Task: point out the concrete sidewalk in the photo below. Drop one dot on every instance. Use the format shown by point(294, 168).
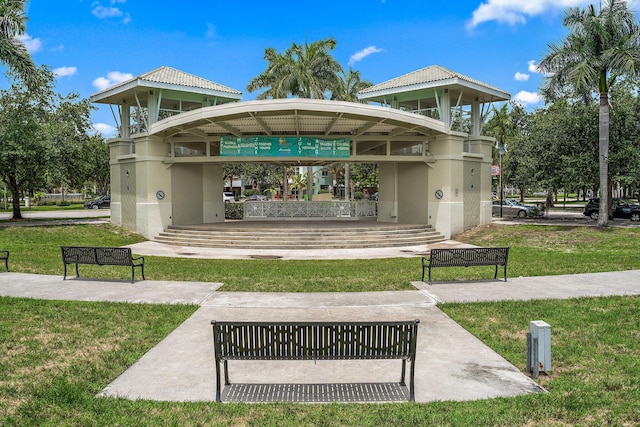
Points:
point(451, 363)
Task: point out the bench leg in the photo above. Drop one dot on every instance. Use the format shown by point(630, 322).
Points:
point(77, 274)
point(404, 368)
point(505, 272)
point(495, 275)
point(412, 388)
point(430, 281)
point(218, 387)
point(6, 263)
point(226, 373)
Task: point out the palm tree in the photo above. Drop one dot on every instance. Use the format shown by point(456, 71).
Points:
point(600, 46)
point(13, 52)
point(336, 170)
point(501, 127)
point(350, 84)
point(305, 71)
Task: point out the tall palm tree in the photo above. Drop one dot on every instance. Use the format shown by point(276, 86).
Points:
point(305, 71)
point(13, 52)
point(600, 46)
point(350, 84)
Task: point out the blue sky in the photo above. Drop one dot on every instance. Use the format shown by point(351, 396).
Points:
point(91, 44)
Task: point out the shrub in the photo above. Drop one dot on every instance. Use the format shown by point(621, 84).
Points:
point(358, 195)
point(233, 210)
point(251, 192)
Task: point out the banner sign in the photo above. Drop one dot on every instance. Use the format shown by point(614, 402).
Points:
point(270, 146)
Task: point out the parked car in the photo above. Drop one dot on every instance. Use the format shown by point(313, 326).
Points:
point(99, 203)
point(619, 209)
point(374, 196)
point(256, 198)
point(228, 197)
point(511, 207)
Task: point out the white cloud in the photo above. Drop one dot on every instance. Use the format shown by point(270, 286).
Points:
point(105, 129)
point(32, 45)
point(211, 30)
point(103, 12)
point(514, 12)
point(359, 56)
point(521, 77)
point(65, 71)
point(527, 98)
point(112, 78)
point(533, 68)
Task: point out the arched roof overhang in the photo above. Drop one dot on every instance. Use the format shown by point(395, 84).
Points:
point(377, 131)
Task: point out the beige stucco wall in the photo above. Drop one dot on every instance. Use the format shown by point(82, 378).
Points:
point(458, 166)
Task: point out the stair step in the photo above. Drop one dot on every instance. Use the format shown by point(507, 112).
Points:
point(299, 236)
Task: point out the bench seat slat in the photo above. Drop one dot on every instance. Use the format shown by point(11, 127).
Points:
point(466, 257)
point(314, 341)
point(101, 256)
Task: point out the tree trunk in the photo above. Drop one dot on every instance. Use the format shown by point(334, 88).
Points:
point(15, 197)
point(309, 183)
point(603, 159)
point(347, 182)
point(285, 185)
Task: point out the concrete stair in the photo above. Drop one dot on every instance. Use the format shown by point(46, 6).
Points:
point(300, 236)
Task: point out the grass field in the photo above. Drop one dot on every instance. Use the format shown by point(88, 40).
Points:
point(56, 355)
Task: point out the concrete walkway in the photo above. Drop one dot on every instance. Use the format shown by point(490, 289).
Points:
point(451, 363)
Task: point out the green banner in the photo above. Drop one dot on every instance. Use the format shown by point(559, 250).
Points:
point(269, 146)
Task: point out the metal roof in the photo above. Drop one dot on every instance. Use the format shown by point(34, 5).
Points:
point(165, 78)
point(372, 126)
point(433, 77)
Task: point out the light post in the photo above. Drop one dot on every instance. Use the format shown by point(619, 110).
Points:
point(502, 149)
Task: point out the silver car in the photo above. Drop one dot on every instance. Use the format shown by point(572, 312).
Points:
point(512, 207)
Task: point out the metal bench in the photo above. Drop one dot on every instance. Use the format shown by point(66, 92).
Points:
point(466, 257)
point(4, 255)
point(313, 341)
point(100, 256)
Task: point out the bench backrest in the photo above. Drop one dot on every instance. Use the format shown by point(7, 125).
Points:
point(96, 255)
point(314, 340)
point(465, 257)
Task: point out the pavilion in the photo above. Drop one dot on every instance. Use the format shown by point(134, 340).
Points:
point(423, 129)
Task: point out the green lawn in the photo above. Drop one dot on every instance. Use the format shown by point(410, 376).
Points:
point(55, 356)
point(556, 250)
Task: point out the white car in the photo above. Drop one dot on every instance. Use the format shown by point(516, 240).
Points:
point(228, 197)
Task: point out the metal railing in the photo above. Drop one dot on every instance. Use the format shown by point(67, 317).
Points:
point(302, 209)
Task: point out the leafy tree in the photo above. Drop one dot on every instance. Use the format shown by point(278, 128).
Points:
point(336, 170)
point(501, 127)
point(41, 137)
point(365, 175)
point(13, 52)
point(95, 153)
point(563, 141)
point(65, 130)
point(601, 46)
point(625, 128)
point(349, 85)
point(305, 71)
